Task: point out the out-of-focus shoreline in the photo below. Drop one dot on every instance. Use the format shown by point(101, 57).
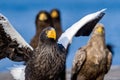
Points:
point(113, 74)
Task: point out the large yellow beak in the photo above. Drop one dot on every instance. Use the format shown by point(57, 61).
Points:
point(100, 30)
point(51, 34)
point(54, 14)
point(42, 17)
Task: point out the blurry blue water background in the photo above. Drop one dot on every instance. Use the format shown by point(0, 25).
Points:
point(22, 13)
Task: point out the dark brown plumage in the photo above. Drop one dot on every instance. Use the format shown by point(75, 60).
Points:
point(56, 20)
point(43, 20)
point(92, 61)
point(2, 48)
point(48, 60)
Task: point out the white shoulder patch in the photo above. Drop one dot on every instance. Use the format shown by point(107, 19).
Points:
point(18, 72)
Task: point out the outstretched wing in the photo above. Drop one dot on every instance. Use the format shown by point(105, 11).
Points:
point(78, 61)
point(12, 45)
point(87, 28)
point(81, 28)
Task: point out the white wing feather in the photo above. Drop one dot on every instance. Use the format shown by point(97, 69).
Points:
point(66, 37)
point(13, 33)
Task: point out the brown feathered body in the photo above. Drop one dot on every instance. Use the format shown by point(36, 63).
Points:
point(43, 20)
point(56, 20)
point(47, 62)
point(92, 61)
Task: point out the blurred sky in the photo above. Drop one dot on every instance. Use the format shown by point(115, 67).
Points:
point(21, 14)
